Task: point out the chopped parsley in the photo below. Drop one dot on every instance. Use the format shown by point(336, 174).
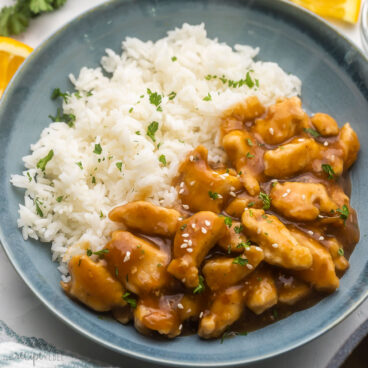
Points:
point(155, 98)
point(57, 93)
point(249, 155)
point(29, 176)
point(207, 98)
point(101, 252)
point(162, 159)
point(43, 162)
point(65, 118)
point(328, 170)
point(240, 261)
point(131, 109)
point(249, 81)
point(131, 301)
point(37, 203)
point(98, 149)
point(89, 252)
point(228, 221)
point(101, 214)
point(344, 212)
point(152, 129)
point(172, 95)
point(312, 132)
point(174, 58)
point(119, 165)
point(116, 272)
point(138, 132)
point(93, 180)
point(80, 165)
point(229, 249)
point(238, 229)
point(250, 143)
point(340, 251)
point(182, 227)
point(200, 288)
point(213, 195)
point(275, 314)
point(244, 244)
point(77, 95)
point(59, 199)
point(251, 204)
point(266, 199)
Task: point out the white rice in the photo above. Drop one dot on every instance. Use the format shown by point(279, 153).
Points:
point(104, 118)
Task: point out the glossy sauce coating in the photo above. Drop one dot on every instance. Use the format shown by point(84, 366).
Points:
point(249, 242)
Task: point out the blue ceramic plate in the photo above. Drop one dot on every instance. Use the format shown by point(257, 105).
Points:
point(335, 81)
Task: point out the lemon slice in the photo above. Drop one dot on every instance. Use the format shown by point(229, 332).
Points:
point(12, 55)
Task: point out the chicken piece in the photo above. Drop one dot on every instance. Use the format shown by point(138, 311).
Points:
point(146, 218)
point(325, 124)
point(334, 247)
point(241, 112)
point(321, 274)
point(93, 285)
point(202, 188)
point(226, 308)
point(284, 119)
point(349, 142)
point(291, 158)
point(241, 202)
point(138, 264)
point(123, 315)
point(261, 291)
point(301, 201)
point(158, 314)
point(246, 156)
point(198, 234)
point(292, 290)
point(233, 237)
point(189, 307)
point(222, 272)
point(279, 246)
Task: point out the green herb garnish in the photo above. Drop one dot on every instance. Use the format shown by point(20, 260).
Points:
point(266, 199)
point(59, 199)
point(213, 195)
point(240, 261)
point(238, 229)
point(37, 203)
point(43, 162)
point(119, 165)
point(200, 288)
point(228, 221)
point(152, 129)
point(249, 155)
point(344, 212)
point(98, 149)
point(174, 58)
point(172, 95)
point(244, 244)
point(328, 170)
point(207, 98)
point(80, 165)
point(312, 132)
point(57, 93)
point(162, 159)
point(340, 251)
point(182, 227)
point(131, 301)
point(250, 143)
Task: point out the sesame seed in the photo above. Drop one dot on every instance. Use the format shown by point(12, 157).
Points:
point(183, 280)
point(184, 245)
point(201, 315)
point(181, 191)
point(189, 250)
point(180, 218)
point(232, 194)
point(320, 216)
point(185, 235)
point(189, 310)
point(191, 158)
point(303, 196)
point(192, 183)
point(286, 193)
point(325, 143)
point(207, 223)
point(271, 131)
point(127, 257)
point(226, 174)
point(180, 306)
point(181, 184)
point(185, 240)
point(185, 206)
point(249, 266)
point(204, 230)
point(259, 230)
point(219, 196)
point(180, 327)
point(134, 270)
point(275, 245)
point(259, 249)
point(232, 188)
point(193, 226)
point(190, 242)
point(321, 238)
point(301, 140)
point(310, 232)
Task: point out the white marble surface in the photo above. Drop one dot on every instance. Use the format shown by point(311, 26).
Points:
point(22, 311)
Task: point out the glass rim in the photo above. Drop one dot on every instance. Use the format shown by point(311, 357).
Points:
point(364, 25)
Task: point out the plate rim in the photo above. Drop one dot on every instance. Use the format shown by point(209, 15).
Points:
point(121, 350)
